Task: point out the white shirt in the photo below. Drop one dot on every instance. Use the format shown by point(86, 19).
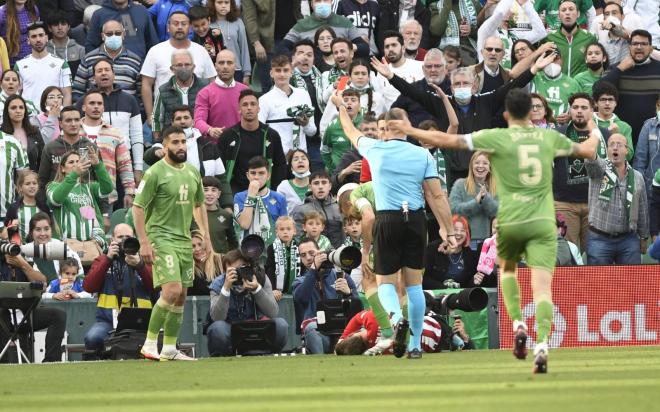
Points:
point(273, 106)
point(37, 74)
point(159, 59)
point(410, 71)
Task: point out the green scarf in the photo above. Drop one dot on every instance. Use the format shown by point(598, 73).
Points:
point(441, 167)
point(452, 34)
point(298, 80)
point(349, 242)
point(287, 264)
point(572, 134)
point(262, 222)
point(324, 244)
point(609, 183)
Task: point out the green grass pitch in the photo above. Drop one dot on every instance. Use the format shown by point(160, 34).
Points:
point(620, 379)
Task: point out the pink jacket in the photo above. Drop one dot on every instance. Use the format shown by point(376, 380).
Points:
point(217, 106)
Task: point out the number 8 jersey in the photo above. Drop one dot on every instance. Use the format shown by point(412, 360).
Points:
point(521, 160)
point(168, 196)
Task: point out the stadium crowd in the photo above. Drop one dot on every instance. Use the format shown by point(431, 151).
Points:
point(89, 87)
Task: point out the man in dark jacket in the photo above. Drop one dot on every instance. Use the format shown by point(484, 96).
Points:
point(323, 202)
point(247, 139)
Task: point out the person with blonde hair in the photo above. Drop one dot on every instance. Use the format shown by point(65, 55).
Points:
point(208, 265)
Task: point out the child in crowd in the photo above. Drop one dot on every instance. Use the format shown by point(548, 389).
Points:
point(211, 39)
point(21, 211)
point(225, 15)
point(353, 230)
point(68, 286)
point(487, 265)
point(221, 222)
point(313, 226)
point(283, 262)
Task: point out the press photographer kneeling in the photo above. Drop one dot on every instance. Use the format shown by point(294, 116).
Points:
point(14, 268)
point(121, 279)
point(242, 295)
point(319, 283)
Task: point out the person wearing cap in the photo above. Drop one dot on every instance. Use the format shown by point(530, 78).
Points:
point(570, 39)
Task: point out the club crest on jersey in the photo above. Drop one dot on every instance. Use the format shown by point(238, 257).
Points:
point(273, 202)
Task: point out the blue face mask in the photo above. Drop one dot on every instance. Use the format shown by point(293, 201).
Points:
point(463, 94)
point(113, 42)
point(323, 10)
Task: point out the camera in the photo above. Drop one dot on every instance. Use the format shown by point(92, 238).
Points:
point(252, 247)
point(345, 257)
point(9, 248)
point(245, 272)
point(53, 250)
point(129, 246)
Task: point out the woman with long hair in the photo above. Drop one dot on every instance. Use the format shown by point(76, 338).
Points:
point(47, 121)
point(10, 83)
point(26, 205)
point(295, 189)
point(324, 60)
point(15, 17)
point(15, 122)
point(75, 200)
point(208, 265)
point(542, 113)
point(226, 16)
point(521, 49)
point(475, 197)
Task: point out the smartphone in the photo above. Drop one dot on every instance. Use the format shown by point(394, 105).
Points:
point(83, 152)
point(343, 82)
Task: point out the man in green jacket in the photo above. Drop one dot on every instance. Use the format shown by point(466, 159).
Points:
point(335, 143)
point(571, 40)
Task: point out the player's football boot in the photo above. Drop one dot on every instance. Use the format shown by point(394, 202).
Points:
point(176, 355)
point(541, 362)
point(400, 338)
point(382, 345)
point(150, 353)
point(520, 343)
point(415, 354)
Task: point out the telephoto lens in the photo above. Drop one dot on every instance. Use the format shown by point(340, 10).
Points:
point(9, 248)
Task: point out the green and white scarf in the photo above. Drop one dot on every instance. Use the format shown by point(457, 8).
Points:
point(287, 264)
point(572, 134)
point(298, 80)
point(349, 242)
point(608, 185)
point(262, 222)
point(452, 34)
point(324, 244)
point(334, 74)
point(441, 165)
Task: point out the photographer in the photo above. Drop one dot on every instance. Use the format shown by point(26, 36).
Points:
point(236, 300)
point(319, 282)
point(40, 231)
point(17, 269)
point(120, 279)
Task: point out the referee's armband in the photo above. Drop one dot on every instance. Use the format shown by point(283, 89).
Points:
point(361, 203)
point(467, 138)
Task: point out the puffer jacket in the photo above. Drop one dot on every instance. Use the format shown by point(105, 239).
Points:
point(329, 208)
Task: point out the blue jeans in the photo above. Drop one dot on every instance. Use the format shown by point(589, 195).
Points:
point(96, 335)
point(315, 341)
point(622, 250)
point(219, 337)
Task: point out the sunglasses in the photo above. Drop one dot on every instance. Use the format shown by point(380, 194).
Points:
point(493, 49)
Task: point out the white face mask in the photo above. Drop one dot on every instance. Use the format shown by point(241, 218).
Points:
point(301, 175)
point(553, 70)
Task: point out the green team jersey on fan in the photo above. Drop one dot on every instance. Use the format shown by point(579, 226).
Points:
point(556, 91)
point(12, 159)
point(522, 159)
point(168, 196)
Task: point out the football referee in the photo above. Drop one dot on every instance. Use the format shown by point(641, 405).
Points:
point(400, 171)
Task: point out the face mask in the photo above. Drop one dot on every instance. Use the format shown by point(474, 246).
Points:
point(301, 175)
point(183, 74)
point(552, 70)
point(113, 42)
point(463, 95)
point(323, 10)
point(595, 66)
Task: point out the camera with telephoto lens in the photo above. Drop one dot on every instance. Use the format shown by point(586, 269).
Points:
point(52, 250)
point(9, 248)
point(245, 272)
point(252, 247)
point(129, 246)
point(344, 257)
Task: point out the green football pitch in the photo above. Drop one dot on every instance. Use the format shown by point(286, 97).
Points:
point(621, 380)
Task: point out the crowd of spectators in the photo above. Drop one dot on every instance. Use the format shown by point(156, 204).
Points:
point(88, 87)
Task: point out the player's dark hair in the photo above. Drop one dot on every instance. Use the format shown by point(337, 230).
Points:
point(257, 162)
point(580, 95)
point(518, 104)
point(353, 345)
point(319, 174)
point(198, 13)
point(169, 131)
point(245, 93)
point(604, 88)
point(181, 108)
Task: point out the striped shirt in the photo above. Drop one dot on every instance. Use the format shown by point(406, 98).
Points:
point(12, 159)
point(25, 214)
point(126, 67)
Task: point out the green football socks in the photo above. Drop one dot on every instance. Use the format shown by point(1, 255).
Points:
point(511, 294)
point(158, 315)
point(381, 316)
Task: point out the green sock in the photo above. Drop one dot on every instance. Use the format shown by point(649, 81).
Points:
point(381, 316)
point(172, 325)
point(511, 295)
point(158, 314)
point(404, 311)
point(543, 320)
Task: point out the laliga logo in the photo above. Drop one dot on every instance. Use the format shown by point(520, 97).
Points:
point(614, 326)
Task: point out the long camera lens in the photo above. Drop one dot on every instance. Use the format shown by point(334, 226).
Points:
point(53, 250)
point(9, 248)
point(346, 257)
point(130, 246)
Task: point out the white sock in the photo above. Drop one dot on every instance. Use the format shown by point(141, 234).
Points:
point(542, 346)
point(517, 324)
point(169, 349)
point(150, 346)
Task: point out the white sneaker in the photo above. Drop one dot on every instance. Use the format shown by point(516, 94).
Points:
point(175, 356)
point(382, 344)
point(150, 352)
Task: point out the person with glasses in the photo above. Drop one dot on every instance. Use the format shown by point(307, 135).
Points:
point(612, 33)
point(606, 97)
point(541, 114)
point(125, 63)
point(490, 72)
point(618, 210)
point(506, 22)
point(571, 39)
point(636, 78)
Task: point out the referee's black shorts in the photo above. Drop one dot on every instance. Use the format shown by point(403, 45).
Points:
point(398, 243)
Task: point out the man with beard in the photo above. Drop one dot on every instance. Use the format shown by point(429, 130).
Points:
point(637, 79)
point(167, 199)
point(556, 87)
point(342, 51)
point(614, 32)
point(618, 224)
point(412, 32)
point(571, 40)
point(156, 68)
point(41, 69)
point(434, 68)
point(407, 69)
point(570, 183)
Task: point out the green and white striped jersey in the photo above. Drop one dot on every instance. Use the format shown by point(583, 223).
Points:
point(12, 159)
